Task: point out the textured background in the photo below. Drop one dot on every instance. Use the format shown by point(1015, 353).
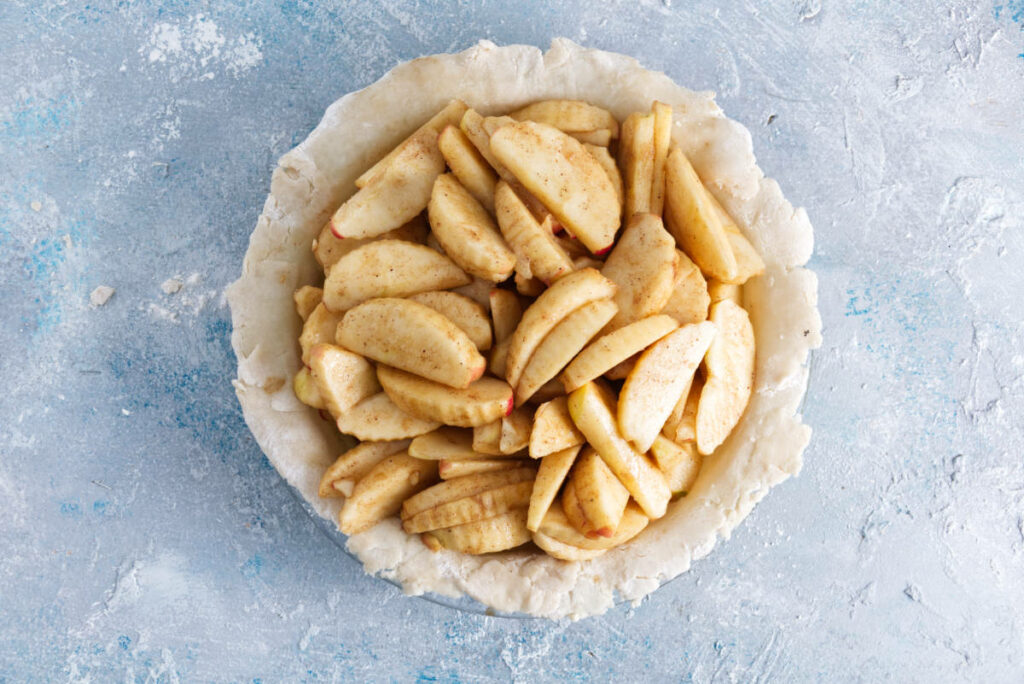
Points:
point(143, 534)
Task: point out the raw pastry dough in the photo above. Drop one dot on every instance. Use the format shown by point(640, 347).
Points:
point(313, 179)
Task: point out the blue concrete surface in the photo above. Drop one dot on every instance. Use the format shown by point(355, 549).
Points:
point(146, 538)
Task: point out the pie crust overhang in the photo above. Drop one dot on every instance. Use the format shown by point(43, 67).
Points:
point(314, 178)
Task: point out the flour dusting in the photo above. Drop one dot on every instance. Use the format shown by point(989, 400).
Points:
point(198, 48)
point(101, 295)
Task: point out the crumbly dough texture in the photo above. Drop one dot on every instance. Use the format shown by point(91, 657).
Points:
point(315, 177)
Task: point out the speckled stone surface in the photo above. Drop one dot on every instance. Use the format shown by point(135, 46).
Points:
point(144, 536)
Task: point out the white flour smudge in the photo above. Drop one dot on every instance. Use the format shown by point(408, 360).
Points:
point(101, 295)
point(197, 48)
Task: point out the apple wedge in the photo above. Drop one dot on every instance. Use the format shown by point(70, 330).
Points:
point(478, 290)
point(499, 357)
point(599, 137)
point(380, 493)
point(564, 552)
point(377, 419)
point(448, 443)
point(592, 408)
point(692, 219)
point(730, 376)
point(569, 116)
point(621, 371)
point(483, 401)
point(320, 328)
point(559, 171)
point(450, 114)
point(306, 299)
point(748, 261)
point(613, 348)
point(526, 285)
point(389, 268)
point(306, 390)
point(552, 472)
point(506, 312)
point(557, 526)
point(472, 508)
point(596, 498)
point(462, 487)
point(563, 297)
point(469, 316)
point(553, 429)
point(467, 232)
point(342, 379)
point(642, 266)
point(328, 249)
point(450, 470)
point(662, 375)
point(563, 343)
point(689, 300)
point(636, 159)
point(552, 389)
point(681, 426)
point(662, 140)
point(487, 438)
point(679, 462)
point(472, 126)
point(500, 533)
point(717, 291)
point(394, 195)
point(607, 162)
point(414, 338)
point(468, 165)
point(341, 476)
point(515, 431)
point(532, 243)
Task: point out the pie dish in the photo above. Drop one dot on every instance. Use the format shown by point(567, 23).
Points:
point(312, 180)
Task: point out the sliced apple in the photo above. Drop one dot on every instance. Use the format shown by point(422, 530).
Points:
point(599, 497)
point(342, 475)
point(483, 401)
point(320, 328)
point(553, 429)
point(328, 249)
point(607, 162)
point(515, 431)
point(377, 418)
point(564, 552)
point(570, 116)
point(636, 159)
point(468, 165)
point(469, 316)
point(642, 266)
point(621, 371)
point(611, 349)
point(527, 286)
point(487, 438)
point(557, 526)
point(662, 375)
point(592, 408)
point(532, 243)
point(559, 171)
point(563, 343)
point(500, 533)
point(679, 462)
point(306, 299)
point(306, 390)
point(551, 389)
point(342, 379)
point(462, 487)
point(478, 290)
point(450, 114)
point(692, 219)
point(552, 472)
point(689, 300)
point(472, 125)
point(467, 232)
point(563, 297)
point(396, 194)
point(380, 493)
point(414, 338)
point(730, 376)
point(450, 470)
point(662, 139)
point(389, 268)
point(598, 137)
point(469, 509)
point(448, 443)
point(717, 291)
point(681, 426)
point(506, 312)
point(499, 357)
